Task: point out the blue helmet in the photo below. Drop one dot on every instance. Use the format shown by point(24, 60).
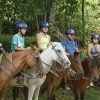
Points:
point(44, 24)
point(94, 36)
point(21, 25)
point(69, 31)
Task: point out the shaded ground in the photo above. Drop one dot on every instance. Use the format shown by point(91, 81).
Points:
point(91, 94)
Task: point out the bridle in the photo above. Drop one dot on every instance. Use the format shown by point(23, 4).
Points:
point(13, 65)
point(53, 47)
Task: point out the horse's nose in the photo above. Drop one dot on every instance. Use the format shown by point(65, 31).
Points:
point(67, 64)
point(96, 79)
point(80, 74)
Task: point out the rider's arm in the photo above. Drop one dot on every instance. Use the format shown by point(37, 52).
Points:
point(38, 37)
point(76, 47)
point(89, 50)
point(18, 48)
point(15, 44)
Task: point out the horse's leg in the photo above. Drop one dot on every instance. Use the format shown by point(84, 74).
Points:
point(53, 97)
point(82, 94)
point(51, 89)
point(50, 92)
point(25, 92)
point(36, 93)
point(3, 94)
point(76, 94)
point(15, 92)
point(31, 90)
point(53, 93)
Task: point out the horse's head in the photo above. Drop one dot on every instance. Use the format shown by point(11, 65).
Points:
point(76, 64)
point(58, 54)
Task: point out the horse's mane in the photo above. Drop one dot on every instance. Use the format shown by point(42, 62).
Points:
point(26, 52)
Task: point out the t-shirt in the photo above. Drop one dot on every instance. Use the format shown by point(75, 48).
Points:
point(70, 47)
point(43, 40)
point(17, 40)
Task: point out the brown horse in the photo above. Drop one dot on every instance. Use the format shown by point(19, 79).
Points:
point(61, 79)
point(91, 70)
point(78, 86)
point(19, 59)
point(95, 68)
point(76, 64)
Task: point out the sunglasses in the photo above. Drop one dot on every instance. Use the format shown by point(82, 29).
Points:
point(71, 34)
point(95, 38)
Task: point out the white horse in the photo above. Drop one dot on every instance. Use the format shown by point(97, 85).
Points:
point(54, 52)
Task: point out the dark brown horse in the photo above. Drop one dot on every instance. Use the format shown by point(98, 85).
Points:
point(95, 68)
point(19, 59)
point(76, 64)
point(91, 70)
point(78, 86)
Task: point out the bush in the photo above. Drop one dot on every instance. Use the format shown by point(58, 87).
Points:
point(5, 40)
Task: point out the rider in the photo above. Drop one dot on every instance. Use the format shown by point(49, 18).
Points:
point(43, 39)
point(17, 42)
point(93, 51)
point(94, 48)
point(69, 43)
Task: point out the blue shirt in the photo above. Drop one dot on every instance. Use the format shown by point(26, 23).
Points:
point(18, 41)
point(70, 47)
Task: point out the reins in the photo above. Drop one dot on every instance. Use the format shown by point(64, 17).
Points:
point(13, 65)
point(53, 47)
point(57, 55)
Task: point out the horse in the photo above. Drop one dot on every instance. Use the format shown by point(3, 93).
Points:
point(8, 69)
point(76, 64)
point(61, 79)
point(77, 85)
point(54, 52)
point(95, 68)
point(91, 71)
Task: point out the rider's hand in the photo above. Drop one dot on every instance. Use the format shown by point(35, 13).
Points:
point(90, 57)
point(28, 48)
point(77, 50)
point(0, 45)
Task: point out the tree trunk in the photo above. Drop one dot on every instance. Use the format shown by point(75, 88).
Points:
point(83, 26)
point(0, 27)
point(37, 24)
point(45, 15)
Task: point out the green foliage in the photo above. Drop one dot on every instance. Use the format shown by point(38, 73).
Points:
point(91, 94)
point(60, 13)
point(6, 39)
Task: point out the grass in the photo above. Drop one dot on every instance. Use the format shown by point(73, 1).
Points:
point(91, 94)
